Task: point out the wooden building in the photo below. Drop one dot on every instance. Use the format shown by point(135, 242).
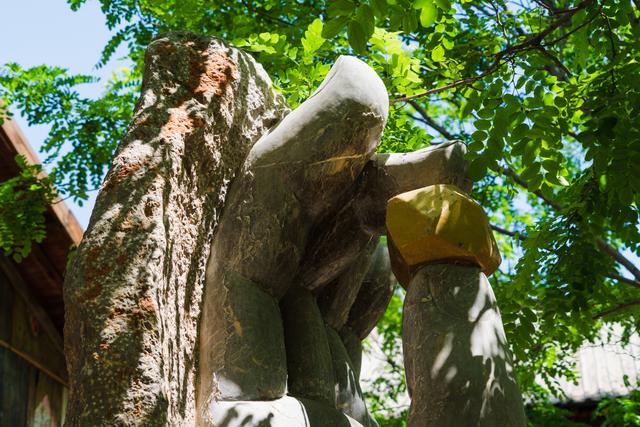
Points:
point(33, 377)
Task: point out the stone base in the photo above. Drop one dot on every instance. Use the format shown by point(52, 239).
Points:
point(284, 412)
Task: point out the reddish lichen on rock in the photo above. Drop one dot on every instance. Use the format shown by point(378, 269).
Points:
point(218, 71)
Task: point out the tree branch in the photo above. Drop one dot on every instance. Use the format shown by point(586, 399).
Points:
point(523, 237)
point(564, 36)
point(457, 83)
point(604, 246)
point(623, 279)
point(617, 308)
point(522, 183)
point(509, 233)
point(611, 251)
point(532, 42)
point(428, 120)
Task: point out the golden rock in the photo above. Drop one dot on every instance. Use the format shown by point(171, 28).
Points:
point(438, 224)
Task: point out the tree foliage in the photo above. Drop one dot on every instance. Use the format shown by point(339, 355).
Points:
point(24, 200)
point(546, 93)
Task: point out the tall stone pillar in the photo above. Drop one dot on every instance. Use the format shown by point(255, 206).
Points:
point(458, 364)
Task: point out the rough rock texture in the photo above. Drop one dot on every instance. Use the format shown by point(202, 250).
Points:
point(133, 291)
point(335, 300)
point(249, 342)
point(296, 174)
point(220, 226)
point(457, 361)
point(353, 345)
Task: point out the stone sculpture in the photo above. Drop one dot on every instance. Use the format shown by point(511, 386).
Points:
point(232, 265)
point(458, 365)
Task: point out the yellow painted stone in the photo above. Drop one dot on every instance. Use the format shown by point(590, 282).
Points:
point(439, 223)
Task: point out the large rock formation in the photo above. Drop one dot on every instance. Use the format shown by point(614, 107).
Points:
point(134, 289)
point(232, 264)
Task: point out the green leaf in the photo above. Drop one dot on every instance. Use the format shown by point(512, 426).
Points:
point(444, 4)
point(437, 54)
point(477, 169)
point(482, 124)
point(420, 4)
point(428, 14)
point(333, 27)
point(356, 36)
point(409, 21)
point(364, 15)
point(479, 135)
point(486, 113)
point(340, 8)
point(313, 40)
point(519, 131)
point(560, 102)
point(511, 99)
point(379, 8)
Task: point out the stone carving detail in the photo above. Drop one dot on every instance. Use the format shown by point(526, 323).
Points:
point(232, 265)
point(457, 361)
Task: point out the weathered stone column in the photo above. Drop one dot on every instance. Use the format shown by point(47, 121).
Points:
point(457, 361)
point(133, 291)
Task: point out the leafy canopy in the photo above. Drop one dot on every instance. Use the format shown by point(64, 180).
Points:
point(546, 93)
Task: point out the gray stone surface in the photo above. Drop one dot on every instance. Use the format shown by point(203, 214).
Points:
point(309, 360)
point(349, 398)
point(222, 207)
point(335, 300)
point(249, 347)
point(133, 291)
point(374, 294)
point(457, 361)
point(353, 345)
point(298, 173)
point(284, 412)
point(295, 174)
point(340, 238)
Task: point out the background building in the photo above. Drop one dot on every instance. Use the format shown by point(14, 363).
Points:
point(33, 377)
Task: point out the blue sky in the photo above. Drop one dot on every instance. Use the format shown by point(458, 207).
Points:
point(35, 32)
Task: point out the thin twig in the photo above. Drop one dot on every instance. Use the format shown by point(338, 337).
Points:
point(564, 36)
point(60, 200)
point(613, 48)
point(623, 279)
point(522, 183)
point(428, 120)
point(509, 233)
point(617, 308)
point(556, 61)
